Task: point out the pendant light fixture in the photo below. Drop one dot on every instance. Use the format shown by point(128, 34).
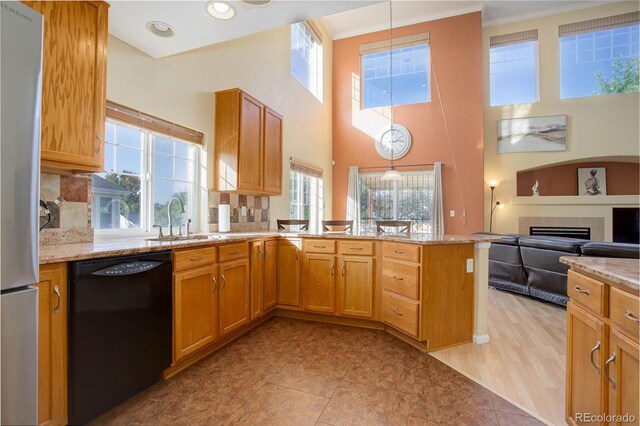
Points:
point(392, 173)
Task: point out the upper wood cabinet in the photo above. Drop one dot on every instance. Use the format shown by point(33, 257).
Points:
point(248, 145)
point(73, 84)
point(52, 345)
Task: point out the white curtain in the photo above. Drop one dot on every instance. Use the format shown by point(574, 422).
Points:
point(353, 198)
point(437, 214)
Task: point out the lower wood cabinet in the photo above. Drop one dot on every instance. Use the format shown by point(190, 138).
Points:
point(270, 274)
point(195, 309)
point(234, 295)
point(355, 289)
point(586, 349)
point(319, 283)
point(289, 259)
point(52, 344)
point(623, 376)
point(257, 279)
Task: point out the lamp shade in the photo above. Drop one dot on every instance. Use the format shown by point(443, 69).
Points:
point(391, 174)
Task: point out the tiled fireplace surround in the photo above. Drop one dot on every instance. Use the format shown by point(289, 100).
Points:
point(69, 201)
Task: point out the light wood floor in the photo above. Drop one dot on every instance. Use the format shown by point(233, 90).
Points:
point(525, 360)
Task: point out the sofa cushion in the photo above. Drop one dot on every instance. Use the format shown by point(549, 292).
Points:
point(510, 239)
point(630, 251)
point(566, 245)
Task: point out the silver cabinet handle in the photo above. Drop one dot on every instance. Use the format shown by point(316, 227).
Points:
point(355, 248)
point(398, 251)
point(398, 278)
point(579, 290)
point(194, 259)
point(297, 254)
point(267, 256)
point(333, 269)
point(593, 351)
point(395, 311)
point(215, 284)
point(320, 246)
point(260, 253)
point(344, 269)
point(98, 143)
point(611, 359)
point(224, 282)
point(234, 252)
point(629, 315)
point(56, 290)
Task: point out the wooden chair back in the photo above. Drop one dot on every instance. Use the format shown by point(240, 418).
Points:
point(401, 226)
point(304, 224)
point(327, 225)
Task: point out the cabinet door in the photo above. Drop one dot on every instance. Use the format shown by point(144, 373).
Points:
point(356, 286)
point(270, 274)
point(234, 295)
point(52, 345)
point(195, 310)
point(289, 273)
point(73, 84)
point(272, 152)
point(250, 145)
point(624, 372)
point(257, 279)
point(586, 352)
point(318, 282)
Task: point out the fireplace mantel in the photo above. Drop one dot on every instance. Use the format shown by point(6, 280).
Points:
point(613, 200)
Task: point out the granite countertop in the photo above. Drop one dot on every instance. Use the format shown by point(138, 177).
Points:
point(621, 273)
point(118, 247)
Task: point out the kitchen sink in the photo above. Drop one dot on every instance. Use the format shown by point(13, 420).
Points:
point(179, 238)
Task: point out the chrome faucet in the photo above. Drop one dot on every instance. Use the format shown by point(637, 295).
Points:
point(169, 211)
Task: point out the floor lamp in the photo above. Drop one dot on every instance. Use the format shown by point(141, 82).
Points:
point(494, 205)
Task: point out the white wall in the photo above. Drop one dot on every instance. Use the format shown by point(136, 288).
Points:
point(598, 126)
point(180, 89)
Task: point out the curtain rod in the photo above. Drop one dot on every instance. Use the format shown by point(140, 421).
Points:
point(397, 166)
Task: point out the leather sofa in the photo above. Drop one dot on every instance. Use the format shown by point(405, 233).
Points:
point(530, 265)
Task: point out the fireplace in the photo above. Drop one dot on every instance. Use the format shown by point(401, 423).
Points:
point(582, 233)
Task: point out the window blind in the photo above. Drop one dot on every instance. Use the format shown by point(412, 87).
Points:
point(624, 20)
point(395, 43)
point(305, 168)
point(154, 124)
point(513, 38)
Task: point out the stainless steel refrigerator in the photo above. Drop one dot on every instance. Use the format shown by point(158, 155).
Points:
point(21, 80)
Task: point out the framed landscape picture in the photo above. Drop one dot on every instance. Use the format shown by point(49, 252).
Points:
point(592, 181)
point(532, 134)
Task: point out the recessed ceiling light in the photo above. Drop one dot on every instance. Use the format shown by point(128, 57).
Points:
point(220, 9)
point(257, 2)
point(161, 29)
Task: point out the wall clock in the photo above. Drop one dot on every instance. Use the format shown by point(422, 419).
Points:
point(401, 141)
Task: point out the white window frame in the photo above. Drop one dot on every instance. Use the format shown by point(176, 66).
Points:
point(536, 59)
point(316, 200)
point(316, 83)
point(147, 196)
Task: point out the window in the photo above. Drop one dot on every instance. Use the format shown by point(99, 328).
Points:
point(513, 66)
point(143, 171)
point(408, 199)
point(306, 57)
point(600, 56)
point(410, 71)
point(307, 191)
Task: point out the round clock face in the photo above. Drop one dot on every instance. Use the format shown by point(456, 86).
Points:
point(393, 141)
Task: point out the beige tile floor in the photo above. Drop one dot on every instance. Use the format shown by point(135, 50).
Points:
point(293, 372)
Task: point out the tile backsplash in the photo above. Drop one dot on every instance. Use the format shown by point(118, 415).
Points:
point(257, 211)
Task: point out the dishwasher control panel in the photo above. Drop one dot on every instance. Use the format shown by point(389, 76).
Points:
point(127, 268)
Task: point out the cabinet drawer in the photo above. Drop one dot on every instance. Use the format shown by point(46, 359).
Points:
point(233, 251)
point(408, 252)
point(625, 312)
point(193, 258)
point(364, 248)
point(587, 292)
point(400, 313)
point(401, 278)
point(319, 246)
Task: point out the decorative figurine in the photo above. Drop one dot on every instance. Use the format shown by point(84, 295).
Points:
point(534, 188)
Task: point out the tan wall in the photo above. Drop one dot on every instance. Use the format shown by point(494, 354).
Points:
point(599, 126)
point(180, 88)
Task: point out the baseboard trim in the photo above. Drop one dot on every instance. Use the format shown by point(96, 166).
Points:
point(329, 318)
point(480, 339)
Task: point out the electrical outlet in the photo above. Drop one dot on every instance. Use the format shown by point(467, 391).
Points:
point(452, 213)
point(243, 210)
point(469, 265)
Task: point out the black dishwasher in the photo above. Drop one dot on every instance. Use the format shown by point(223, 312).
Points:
point(120, 314)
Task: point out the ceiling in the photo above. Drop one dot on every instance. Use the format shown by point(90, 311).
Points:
point(342, 18)
point(195, 28)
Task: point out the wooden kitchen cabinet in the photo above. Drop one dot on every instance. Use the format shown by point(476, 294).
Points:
point(248, 145)
point(234, 295)
point(355, 291)
point(52, 344)
point(622, 370)
point(270, 274)
point(318, 282)
point(73, 85)
point(586, 349)
point(257, 279)
point(196, 293)
point(288, 277)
